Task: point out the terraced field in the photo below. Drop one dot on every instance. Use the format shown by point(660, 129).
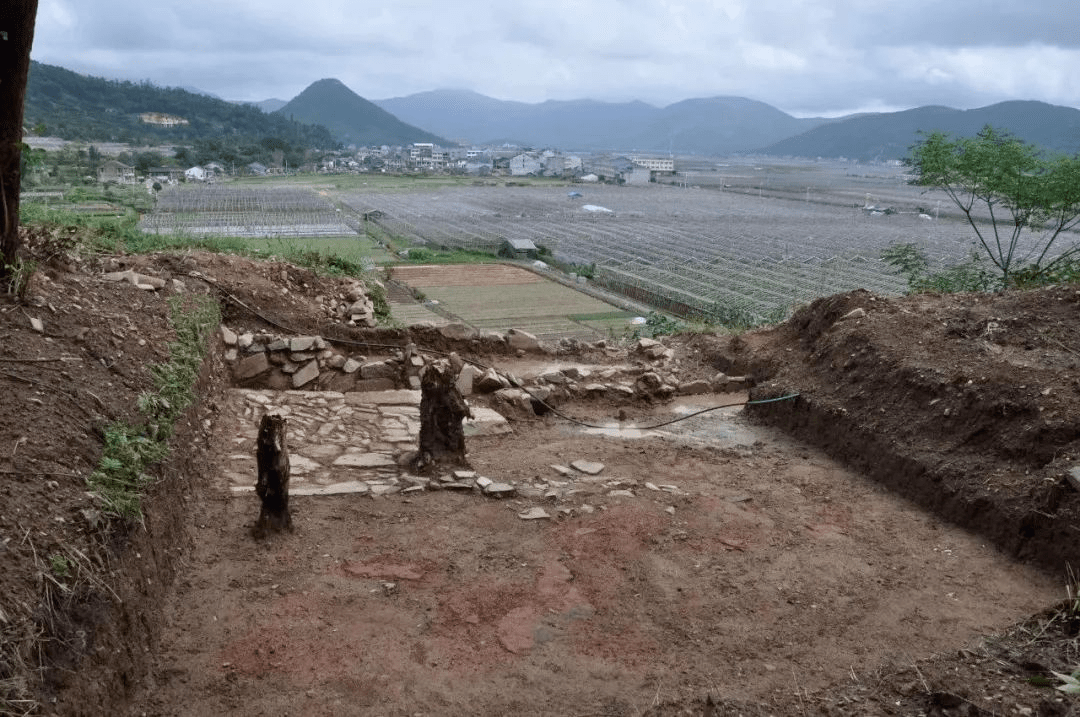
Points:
point(500, 297)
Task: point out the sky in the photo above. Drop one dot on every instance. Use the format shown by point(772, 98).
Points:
point(806, 57)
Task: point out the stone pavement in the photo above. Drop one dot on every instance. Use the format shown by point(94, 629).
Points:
point(357, 442)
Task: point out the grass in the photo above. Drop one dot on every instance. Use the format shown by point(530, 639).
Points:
point(121, 478)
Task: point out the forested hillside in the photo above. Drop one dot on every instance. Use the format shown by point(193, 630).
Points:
point(65, 104)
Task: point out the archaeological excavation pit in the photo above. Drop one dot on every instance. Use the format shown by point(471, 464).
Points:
point(709, 556)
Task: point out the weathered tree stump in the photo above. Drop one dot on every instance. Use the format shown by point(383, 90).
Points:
point(272, 456)
point(442, 409)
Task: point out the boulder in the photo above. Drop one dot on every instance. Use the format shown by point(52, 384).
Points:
point(251, 366)
point(457, 332)
point(306, 374)
point(693, 388)
point(488, 381)
point(465, 379)
point(379, 369)
point(300, 344)
point(519, 340)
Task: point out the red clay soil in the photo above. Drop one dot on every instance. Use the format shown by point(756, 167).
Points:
point(791, 577)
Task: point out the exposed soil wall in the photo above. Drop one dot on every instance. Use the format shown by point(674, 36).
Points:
point(101, 640)
point(964, 405)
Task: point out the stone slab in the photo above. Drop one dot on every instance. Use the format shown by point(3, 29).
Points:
point(485, 422)
point(401, 397)
point(365, 460)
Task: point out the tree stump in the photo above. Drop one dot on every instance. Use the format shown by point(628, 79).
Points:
point(272, 456)
point(442, 409)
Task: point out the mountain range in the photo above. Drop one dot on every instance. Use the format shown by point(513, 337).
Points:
point(722, 125)
point(718, 125)
point(76, 106)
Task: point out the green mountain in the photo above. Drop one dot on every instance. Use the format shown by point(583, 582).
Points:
point(79, 107)
point(889, 135)
point(351, 118)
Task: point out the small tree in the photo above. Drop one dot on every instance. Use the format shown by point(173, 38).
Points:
point(1018, 185)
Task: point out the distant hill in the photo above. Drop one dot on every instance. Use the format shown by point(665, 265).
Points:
point(351, 118)
point(890, 135)
point(271, 105)
point(719, 125)
point(80, 107)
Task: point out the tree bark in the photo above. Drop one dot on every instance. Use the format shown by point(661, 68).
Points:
point(16, 37)
point(442, 409)
point(272, 487)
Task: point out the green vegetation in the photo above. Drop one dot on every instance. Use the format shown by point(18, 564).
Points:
point(1029, 197)
point(912, 263)
point(78, 107)
point(121, 478)
point(60, 565)
point(741, 315)
point(657, 324)
point(17, 275)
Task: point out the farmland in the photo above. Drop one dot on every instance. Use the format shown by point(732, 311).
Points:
point(752, 241)
point(498, 297)
point(239, 211)
point(732, 241)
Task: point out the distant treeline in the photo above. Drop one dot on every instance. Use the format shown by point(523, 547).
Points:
point(62, 103)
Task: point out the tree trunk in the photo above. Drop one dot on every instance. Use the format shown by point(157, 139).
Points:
point(272, 487)
point(442, 409)
point(16, 36)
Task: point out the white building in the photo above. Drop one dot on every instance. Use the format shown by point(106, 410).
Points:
point(525, 164)
point(656, 165)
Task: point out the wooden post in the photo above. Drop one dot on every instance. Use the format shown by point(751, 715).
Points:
point(272, 456)
point(442, 409)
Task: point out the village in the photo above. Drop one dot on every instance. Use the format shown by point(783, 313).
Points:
point(422, 158)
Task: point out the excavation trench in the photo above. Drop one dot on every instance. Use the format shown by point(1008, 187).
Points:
point(705, 556)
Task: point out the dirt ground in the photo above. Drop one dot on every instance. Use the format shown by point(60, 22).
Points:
point(892, 541)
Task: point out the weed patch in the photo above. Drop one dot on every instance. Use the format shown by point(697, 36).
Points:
point(121, 479)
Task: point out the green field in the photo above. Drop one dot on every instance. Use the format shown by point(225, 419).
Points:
point(545, 309)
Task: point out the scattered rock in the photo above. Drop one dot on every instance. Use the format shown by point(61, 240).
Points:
point(499, 490)
point(535, 513)
point(588, 467)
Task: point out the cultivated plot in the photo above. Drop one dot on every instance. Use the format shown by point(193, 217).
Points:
point(246, 211)
point(500, 297)
point(758, 243)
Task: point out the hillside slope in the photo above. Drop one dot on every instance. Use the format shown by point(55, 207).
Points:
point(80, 107)
point(351, 118)
point(889, 135)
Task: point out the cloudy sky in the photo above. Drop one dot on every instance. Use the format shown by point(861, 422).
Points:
point(807, 57)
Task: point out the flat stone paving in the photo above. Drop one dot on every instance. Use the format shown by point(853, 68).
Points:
point(338, 442)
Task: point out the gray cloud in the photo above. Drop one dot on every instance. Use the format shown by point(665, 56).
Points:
point(803, 56)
